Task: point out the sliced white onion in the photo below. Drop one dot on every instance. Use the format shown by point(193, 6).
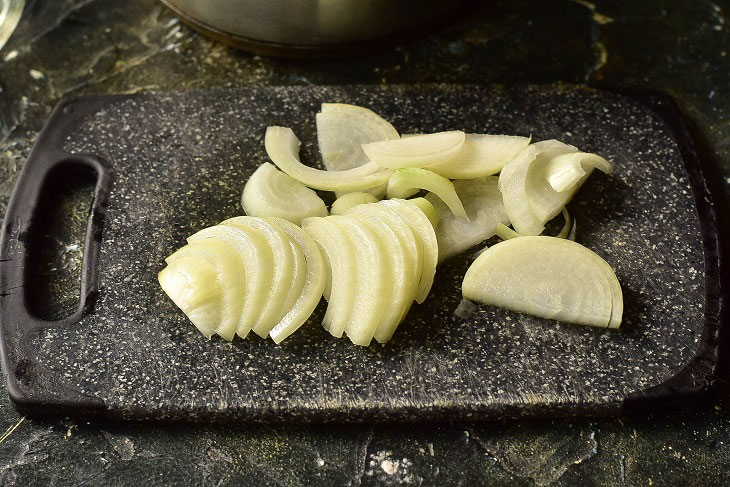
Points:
point(483, 204)
point(408, 181)
point(349, 200)
point(270, 192)
point(193, 286)
point(229, 270)
point(545, 202)
point(255, 253)
point(342, 130)
point(285, 263)
point(427, 208)
point(563, 172)
point(416, 219)
point(415, 151)
point(311, 293)
point(341, 265)
point(405, 254)
point(481, 155)
point(282, 146)
point(374, 284)
point(547, 277)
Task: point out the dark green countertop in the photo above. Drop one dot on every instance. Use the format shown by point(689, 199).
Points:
point(76, 47)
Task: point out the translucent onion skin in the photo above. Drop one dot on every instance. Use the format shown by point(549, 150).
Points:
point(548, 277)
point(270, 192)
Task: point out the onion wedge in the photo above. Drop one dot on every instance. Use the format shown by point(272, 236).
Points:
point(350, 200)
point(481, 155)
point(415, 151)
point(341, 265)
point(255, 252)
point(422, 227)
point(548, 277)
point(229, 270)
point(406, 182)
point(282, 147)
point(483, 204)
point(270, 192)
point(193, 286)
point(311, 292)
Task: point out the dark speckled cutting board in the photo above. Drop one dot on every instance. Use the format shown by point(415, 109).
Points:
point(170, 164)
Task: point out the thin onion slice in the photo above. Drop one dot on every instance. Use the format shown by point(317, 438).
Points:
point(421, 226)
point(312, 290)
point(373, 287)
point(193, 286)
point(350, 200)
point(255, 253)
point(283, 274)
point(405, 251)
point(483, 204)
point(481, 155)
point(547, 277)
point(282, 147)
point(229, 270)
point(406, 182)
point(270, 192)
point(342, 271)
point(416, 151)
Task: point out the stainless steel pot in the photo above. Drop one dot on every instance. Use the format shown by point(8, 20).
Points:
point(311, 28)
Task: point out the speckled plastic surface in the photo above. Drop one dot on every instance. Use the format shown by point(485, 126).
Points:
point(179, 163)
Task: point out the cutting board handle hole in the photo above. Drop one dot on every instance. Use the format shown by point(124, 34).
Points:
point(55, 240)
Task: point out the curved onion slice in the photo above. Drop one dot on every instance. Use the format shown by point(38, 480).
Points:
point(416, 219)
point(270, 192)
point(255, 253)
point(547, 277)
point(374, 284)
point(517, 182)
point(282, 146)
point(342, 130)
point(406, 182)
point(481, 155)
point(342, 276)
point(283, 274)
point(427, 208)
point(193, 286)
point(416, 150)
point(563, 172)
point(504, 232)
point(545, 202)
point(350, 200)
point(311, 293)
point(483, 204)
point(405, 255)
point(228, 270)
